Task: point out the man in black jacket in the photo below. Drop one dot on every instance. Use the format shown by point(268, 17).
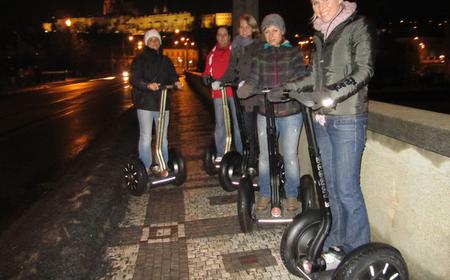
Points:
point(150, 71)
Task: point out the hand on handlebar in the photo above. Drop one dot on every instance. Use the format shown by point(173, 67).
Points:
point(278, 94)
point(315, 100)
point(153, 86)
point(178, 85)
point(216, 85)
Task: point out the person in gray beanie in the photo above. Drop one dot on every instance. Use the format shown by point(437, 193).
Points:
point(276, 63)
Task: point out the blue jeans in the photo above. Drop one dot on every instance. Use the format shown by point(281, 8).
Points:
point(146, 119)
point(341, 142)
point(288, 129)
point(219, 133)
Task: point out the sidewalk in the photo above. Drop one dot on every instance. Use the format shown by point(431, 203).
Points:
point(91, 228)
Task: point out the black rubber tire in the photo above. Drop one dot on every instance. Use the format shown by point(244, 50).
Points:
point(245, 202)
point(308, 193)
point(176, 163)
point(208, 159)
point(135, 177)
point(230, 170)
point(372, 256)
point(280, 177)
point(297, 238)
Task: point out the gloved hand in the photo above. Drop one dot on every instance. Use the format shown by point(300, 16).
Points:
point(216, 85)
point(277, 94)
point(291, 86)
point(178, 85)
point(315, 99)
point(245, 91)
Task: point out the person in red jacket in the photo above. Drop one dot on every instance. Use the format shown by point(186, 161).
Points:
point(216, 65)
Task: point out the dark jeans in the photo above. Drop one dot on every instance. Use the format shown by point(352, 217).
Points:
point(341, 142)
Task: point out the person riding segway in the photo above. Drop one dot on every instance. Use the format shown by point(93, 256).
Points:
point(302, 241)
point(138, 178)
point(152, 74)
point(248, 214)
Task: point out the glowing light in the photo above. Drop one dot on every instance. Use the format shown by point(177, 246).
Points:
point(177, 31)
point(68, 22)
point(130, 38)
point(416, 38)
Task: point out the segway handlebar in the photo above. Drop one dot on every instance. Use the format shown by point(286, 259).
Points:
point(285, 95)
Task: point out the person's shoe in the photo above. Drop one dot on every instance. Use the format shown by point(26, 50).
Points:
point(262, 203)
point(292, 204)
point(333, 258)
point(252, 171)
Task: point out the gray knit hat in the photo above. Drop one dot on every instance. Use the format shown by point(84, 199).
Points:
point(275, 20)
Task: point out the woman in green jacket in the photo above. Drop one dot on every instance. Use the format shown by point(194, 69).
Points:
point(342, 66)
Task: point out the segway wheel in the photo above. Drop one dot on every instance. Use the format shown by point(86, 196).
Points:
point(135, 177)
point(208, 160)
point(372, 261)
point(279, 178)
point(297, 238)
point(176, 163)
point(245, 201)
point(307, 193)
point(230, 171)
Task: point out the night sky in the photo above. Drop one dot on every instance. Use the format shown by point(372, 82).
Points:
point(296, 12)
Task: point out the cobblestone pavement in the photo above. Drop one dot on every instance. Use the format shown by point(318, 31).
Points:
point(191, 231)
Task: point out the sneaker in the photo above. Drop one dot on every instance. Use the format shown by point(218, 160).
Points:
point(262, 203)
point(333, 258)
point(252, 171)
point(292, 204)
point(217, 160)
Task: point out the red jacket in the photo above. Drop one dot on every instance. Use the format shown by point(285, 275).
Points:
point(216, 65)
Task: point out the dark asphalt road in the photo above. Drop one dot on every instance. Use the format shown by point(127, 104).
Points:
point(63, 235)
point(43, 129)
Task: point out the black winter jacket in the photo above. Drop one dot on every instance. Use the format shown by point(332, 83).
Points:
point(151, 67)
point(239, 69)
point(344, 64)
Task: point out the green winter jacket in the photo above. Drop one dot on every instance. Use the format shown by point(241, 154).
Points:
point(344, 64)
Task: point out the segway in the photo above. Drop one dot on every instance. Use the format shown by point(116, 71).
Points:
point(247, 214)
point(234, 165)
point(137, 180)
point(302, 241)
point(211, 165)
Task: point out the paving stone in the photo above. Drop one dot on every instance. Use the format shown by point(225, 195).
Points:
point(192, 231)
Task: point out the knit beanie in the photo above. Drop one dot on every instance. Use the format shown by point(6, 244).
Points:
point(275, 20)
point(152, 33)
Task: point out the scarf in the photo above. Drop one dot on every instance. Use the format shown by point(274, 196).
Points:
point(286, 43)
point(240, 41)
